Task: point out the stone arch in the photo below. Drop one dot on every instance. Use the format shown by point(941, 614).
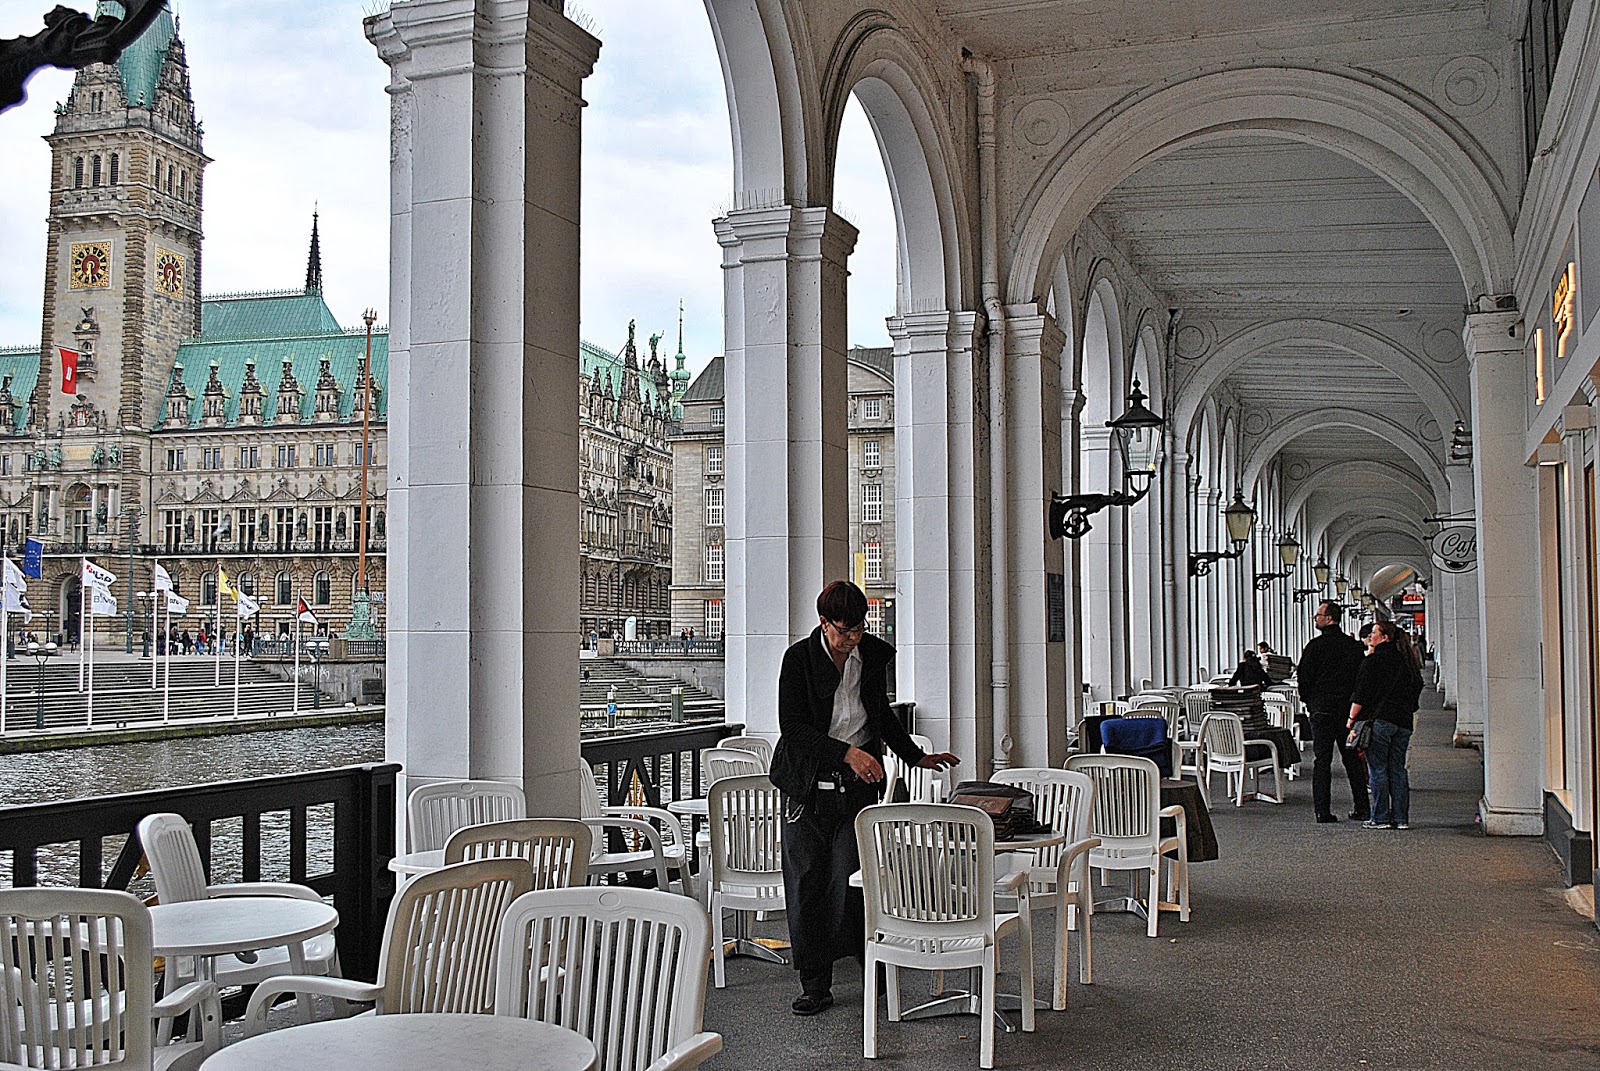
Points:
point(1396, 134)
point(1335, 416)
point(765, 84)
point(1372, 526)
point(1330, 475)
point(874, 61)
point(1422, 380)
point(1371, 507)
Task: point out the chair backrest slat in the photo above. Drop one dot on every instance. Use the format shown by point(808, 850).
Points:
point(927, 870)
point(746, 822)
point(1127, 801)
point(1063, 800)
point(626, 968)
point(1223, 735)
point(558, 849)
point(723, 762)
point(759, 746)
point(435, 811)
point(174, 857)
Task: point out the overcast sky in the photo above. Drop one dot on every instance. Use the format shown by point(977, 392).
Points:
point(291, 96)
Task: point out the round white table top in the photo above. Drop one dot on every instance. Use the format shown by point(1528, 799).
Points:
point(701, 807)
point(237, 924)
point(413, 863)
point(438, 1042)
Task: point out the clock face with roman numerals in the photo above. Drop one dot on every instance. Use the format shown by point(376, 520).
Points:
point(91, 265)
point(169, 272)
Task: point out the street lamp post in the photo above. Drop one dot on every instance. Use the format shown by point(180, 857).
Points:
point(360, 627)
point(40, 653)
point(319, 651)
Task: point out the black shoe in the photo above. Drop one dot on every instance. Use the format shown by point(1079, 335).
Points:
point(1359, 816)
point(1323, 818)
point(812, 1003)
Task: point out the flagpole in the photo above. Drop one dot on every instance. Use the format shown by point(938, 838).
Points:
point(89, 647)
point(166, 690)
point(238, 620)
point(83, 571)
point(297, 626)
point(217, 679)
point(5, 648)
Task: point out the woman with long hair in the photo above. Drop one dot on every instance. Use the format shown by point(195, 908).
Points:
point(1388, 687)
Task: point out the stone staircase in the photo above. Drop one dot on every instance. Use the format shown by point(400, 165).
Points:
point(123, 697)
point(639, 694)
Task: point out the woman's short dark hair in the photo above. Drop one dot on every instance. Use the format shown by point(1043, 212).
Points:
point(842, 602)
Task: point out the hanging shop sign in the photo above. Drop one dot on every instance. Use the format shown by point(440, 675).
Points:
point(1455, 548)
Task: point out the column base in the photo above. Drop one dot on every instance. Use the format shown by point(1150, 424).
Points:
point(1465, 738)
point(1509, 823)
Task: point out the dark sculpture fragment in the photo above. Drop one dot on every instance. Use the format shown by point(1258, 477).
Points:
point(72, 40)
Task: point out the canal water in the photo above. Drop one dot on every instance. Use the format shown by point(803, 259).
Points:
point(52, 776)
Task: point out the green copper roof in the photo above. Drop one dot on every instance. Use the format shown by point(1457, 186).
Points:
point(278, 314)
point(267, 328)
point(140, 63)
point(21, 363)
point(593, 361)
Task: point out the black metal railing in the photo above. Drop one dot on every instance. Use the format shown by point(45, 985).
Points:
point(362, 800)
point(694, 648)
point(653, 769)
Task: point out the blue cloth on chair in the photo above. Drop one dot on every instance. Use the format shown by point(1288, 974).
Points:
point(1146, 737)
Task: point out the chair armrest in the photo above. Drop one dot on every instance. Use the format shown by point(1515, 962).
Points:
point(201, 998)
point(651, 834)
point(264, 888)
point(1271, 745)
point(1013, 884)
point(671, 824)
point(1078, 849)
point(1180, 819)
point(255, 1016)
point(690, 1052)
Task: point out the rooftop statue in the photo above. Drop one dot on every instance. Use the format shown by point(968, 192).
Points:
point(72, 40)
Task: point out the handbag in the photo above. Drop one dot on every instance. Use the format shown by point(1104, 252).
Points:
point(1360, 737)
point(1010, 807)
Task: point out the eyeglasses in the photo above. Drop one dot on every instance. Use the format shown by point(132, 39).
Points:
point(858, 630)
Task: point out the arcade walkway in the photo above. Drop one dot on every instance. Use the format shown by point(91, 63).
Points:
point(1466, 957)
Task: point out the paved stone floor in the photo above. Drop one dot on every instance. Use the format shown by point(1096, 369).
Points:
point(1310, 947)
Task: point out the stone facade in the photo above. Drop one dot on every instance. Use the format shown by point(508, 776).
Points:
point(699, 465)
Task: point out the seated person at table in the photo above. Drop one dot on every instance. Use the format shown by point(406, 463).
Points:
point(833, 720)
point(1249, 672)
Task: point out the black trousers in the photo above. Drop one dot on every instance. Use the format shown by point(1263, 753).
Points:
point(1328, 732)
point(819, 855)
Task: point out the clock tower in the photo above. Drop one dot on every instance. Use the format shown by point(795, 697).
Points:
point(122, 271)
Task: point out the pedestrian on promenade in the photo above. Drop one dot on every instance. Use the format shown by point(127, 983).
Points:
point(1388, 690)
point(1327, 675)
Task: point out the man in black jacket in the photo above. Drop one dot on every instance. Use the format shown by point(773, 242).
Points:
point(834, 720)
point(1327, 676)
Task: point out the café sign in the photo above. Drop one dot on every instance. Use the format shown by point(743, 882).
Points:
point(1455, 547)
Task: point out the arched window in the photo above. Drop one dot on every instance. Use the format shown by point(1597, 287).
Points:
point(158, 174)
point(94, 170)
point(285, 590)
point(116, 161)
point(77, 172)
point(208, 589)
point(247, 583)
point(322, 589)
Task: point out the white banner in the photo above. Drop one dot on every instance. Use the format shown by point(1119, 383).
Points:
point(15, 580)
point(94, 576)
point(177, 604)
point(102, 602)
point(248, 607)
point(163, 579)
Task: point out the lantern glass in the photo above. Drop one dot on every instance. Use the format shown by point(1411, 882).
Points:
point(1138, 432)
point(1288, 550)
point(1241, 520)
point(1341, 587)
point(1320, 572)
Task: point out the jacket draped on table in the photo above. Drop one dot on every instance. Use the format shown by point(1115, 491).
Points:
point(807, 683)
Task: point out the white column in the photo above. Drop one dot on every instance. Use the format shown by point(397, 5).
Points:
point(784, 283)
point(1508, 578)
point(1466, 669)
point(936, 560)
point(1072, 558)
point(1038, 708)
point(483, 467)
point(1174, 604)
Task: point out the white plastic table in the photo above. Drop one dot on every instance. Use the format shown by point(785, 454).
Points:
point(435, 1041)
point(227, 924)
point(413, 863)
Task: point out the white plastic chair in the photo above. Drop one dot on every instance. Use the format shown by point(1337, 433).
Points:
point(746, 823)
point(1114, 708)
point(922, 785)
point(759, 746)
point(1058, 876)
point(720, 762)
point(180, 876)
point(76, 985)
point(435, 811)
point(557, 849)
point(927, 872)
point(438, 946)
point(659, 834)
point(1224, 750)
point(1127, 820)
point(626, 968)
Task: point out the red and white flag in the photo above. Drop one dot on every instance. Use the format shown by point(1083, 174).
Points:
point(305, 614)
point(69, 370)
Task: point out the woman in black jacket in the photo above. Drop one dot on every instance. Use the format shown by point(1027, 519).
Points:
point(1249, 672)
point(1387, 688)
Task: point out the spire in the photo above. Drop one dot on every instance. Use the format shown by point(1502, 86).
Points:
point(314, 261)
point(679, 374)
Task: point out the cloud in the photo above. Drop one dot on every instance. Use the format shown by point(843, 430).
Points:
point(295, 113)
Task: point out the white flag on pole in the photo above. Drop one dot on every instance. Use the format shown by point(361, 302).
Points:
point(246, 605)
point(162, 580)
point(16, 592)
point(94, 576)
point(102, 602)
point(177, 604)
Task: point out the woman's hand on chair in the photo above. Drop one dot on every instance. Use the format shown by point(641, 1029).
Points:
point(943, 760)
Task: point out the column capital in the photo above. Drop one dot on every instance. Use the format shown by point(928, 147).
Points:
point(1073, 401)
point(834, 236)
point(1492, 332)
point(1032, 331)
